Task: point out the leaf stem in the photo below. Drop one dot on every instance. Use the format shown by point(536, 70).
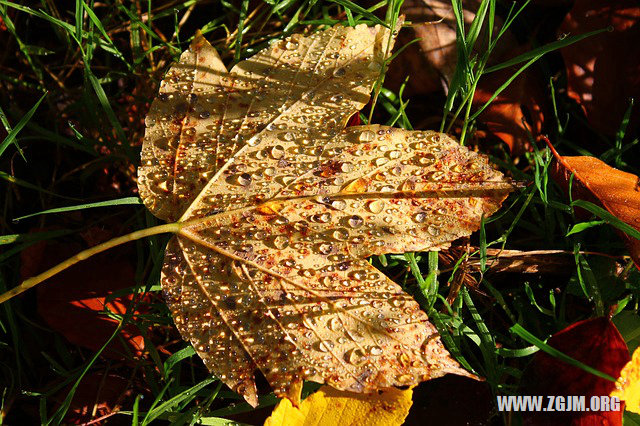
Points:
point(85, 254)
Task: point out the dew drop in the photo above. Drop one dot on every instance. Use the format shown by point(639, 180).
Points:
point(375, 350)
point(339, 204)
point(340, 234)
point(375, 206)
point(280, 242)
point(355, 221)
point(393, 155)
point(277, 152)
point(346, 167)
point(333, 324)
point(358, 275)
point(326, 280)
point(322, 218)
point(339, 72)
point(381, 161)
point(244, 179)
point(433, 230)
point(288, 136)
point(419, 217)
point(366, 136)
point(397, 302)
point(325, 248)
point(325, 345)
point(355, 357)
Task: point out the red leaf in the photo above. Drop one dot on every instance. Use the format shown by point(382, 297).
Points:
point(71, 301)
point(604, 72)
point(594, 342)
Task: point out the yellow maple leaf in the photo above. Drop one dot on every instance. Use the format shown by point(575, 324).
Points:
point(328, 407)
point(628, 384)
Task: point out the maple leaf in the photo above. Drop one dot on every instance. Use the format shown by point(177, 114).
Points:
point(278, 206)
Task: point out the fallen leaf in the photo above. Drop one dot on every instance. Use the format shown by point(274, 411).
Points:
point(628, 384)
point(599, 183)
point(330, 407)
point(605, 73)
point(279, 206)
point(452, 401)
point(518, 111)
point(97, 396)
point(74, 301)
point(595, 342)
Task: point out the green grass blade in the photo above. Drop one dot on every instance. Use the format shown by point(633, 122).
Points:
point(165, 406)
point(607, 217)
point(116, 202)
point(528, 337)
point(11, 137)
point(347, 4)
point(542, 50)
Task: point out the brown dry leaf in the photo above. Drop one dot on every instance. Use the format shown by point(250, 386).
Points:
point(330, 407)
point(599, 183)
point(604, 75)
point(280, 206)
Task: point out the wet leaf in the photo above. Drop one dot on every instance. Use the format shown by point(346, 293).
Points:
point(595, 342)
point(279, 206)
point(329, 407)
point(595, 181)
point(628, 384)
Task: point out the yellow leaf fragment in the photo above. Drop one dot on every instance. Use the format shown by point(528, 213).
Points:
point(628, 384)
point(331, 407)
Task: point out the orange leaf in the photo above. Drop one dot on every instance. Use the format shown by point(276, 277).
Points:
point(331, 407)
point(613, 189)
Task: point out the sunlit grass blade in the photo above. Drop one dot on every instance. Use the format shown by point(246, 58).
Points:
point(117, 202)
point(347, 4)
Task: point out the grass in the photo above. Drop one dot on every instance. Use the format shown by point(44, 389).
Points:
point(73, 104)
